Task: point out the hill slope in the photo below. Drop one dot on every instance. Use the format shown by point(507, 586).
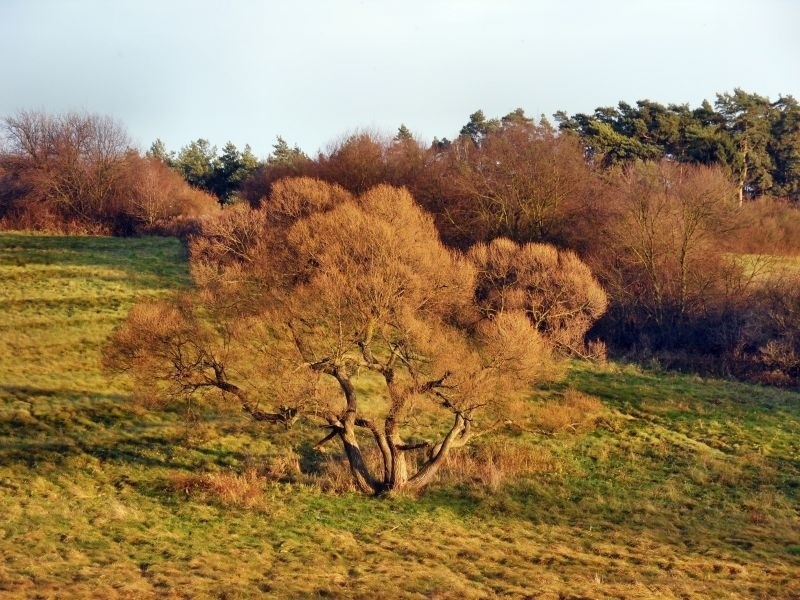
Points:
point(684, 487)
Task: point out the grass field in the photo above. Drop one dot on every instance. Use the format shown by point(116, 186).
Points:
point(683, 488)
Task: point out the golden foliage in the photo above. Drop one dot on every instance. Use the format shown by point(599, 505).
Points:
point(298, 197)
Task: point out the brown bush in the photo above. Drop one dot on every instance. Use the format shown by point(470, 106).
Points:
point(521, 181)
point(35, 215)
point(770, 226)
point(356, 162)
point(76, 173)
point(771, 341)
point(295, 198)
point(157, 195)
point(662, 260)
point(555, 289)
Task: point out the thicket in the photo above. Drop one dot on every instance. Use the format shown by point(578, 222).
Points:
point(77, 173)
point(662, 224)
point(675, 210)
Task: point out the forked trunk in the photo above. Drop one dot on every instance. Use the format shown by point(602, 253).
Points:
point(399, 472)
point(458, 435)
point(359, 470)
point(358, 466)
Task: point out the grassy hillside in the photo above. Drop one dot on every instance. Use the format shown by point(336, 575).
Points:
point(682, 488)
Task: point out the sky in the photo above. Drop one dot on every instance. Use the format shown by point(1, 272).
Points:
point(313, 71)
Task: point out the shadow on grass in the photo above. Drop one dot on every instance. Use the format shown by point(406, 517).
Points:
point(52, 425)
point(24, 392)
point(151, 451)
point(149, 260)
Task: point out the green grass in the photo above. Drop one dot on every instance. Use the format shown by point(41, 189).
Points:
point(687, 487)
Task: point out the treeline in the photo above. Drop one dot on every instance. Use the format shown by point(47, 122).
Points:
point(203, 167)
point(651, 198)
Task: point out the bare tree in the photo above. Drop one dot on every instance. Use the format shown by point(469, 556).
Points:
point(522, 181)
point(77, 171)
point(289, 319)
point(663, 251)
point(73, 161)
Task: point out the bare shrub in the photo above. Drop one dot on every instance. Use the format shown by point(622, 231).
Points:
point(34, 215)
point(770, 226)
point(770, 344)
point(158, 195)
point(781, 355)
point(597, 351)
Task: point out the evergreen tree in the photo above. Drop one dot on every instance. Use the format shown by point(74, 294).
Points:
point(196, 162)
point(784, 147)
point(403, 134)
point(283, 154)
point(158, 151)
point(478, 127)
point(747, 120)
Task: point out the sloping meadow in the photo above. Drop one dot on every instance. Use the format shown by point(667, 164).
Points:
point(620, 483)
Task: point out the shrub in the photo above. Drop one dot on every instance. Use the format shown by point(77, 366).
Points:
point(555, 289)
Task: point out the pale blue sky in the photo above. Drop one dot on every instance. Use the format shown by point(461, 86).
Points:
point(312, 70)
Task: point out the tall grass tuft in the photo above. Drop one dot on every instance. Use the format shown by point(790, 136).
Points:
point(575, 412)
point(245, 490)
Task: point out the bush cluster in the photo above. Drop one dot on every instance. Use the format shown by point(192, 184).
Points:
point(77, 173)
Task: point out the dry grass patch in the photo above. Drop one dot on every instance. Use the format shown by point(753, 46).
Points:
point(245, 490)
point(574, 412)
point(493, 463)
